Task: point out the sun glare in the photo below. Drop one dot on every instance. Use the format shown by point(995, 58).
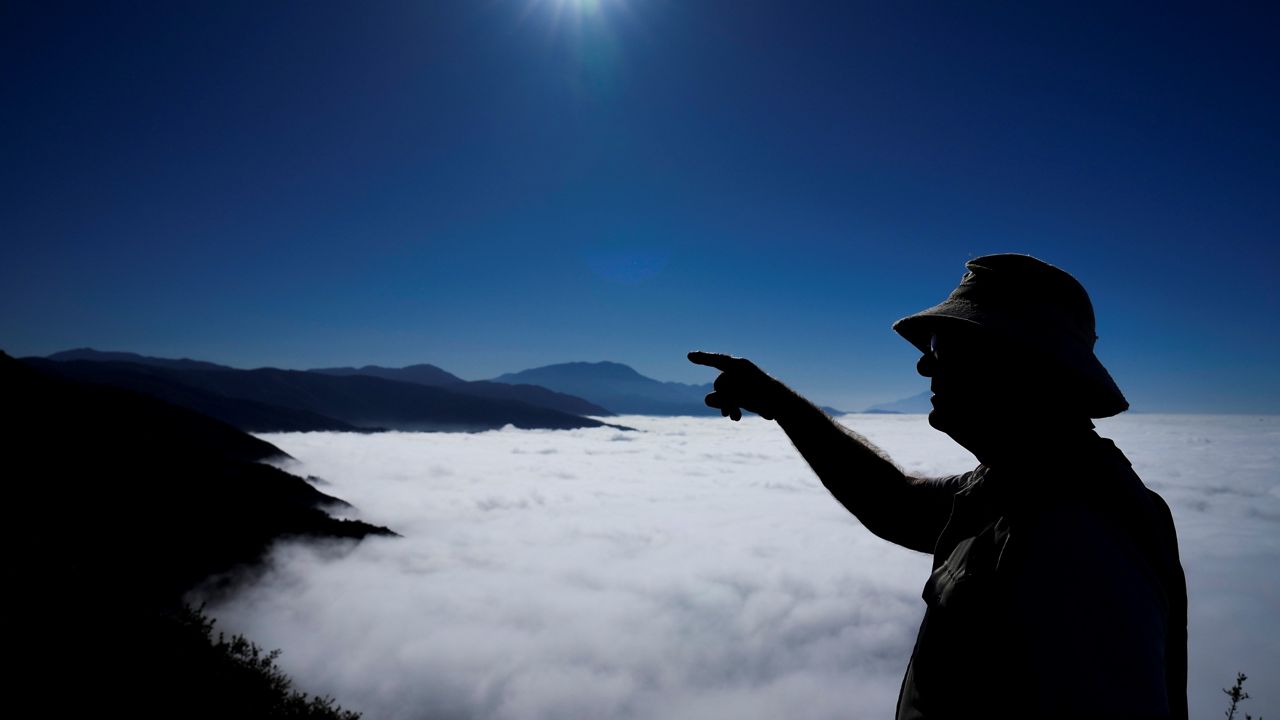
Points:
point(575, 11)
point(582, 6)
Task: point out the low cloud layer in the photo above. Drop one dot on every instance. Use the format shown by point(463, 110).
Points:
point(693, 569)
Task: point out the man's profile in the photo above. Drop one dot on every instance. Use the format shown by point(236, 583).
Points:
point(1056, 588)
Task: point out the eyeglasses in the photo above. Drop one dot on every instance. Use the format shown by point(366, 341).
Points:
point(964, 346)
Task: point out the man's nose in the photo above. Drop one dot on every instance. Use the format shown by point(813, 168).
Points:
point(925, 365)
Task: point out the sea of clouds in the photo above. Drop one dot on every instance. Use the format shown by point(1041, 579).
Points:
point(694, 568)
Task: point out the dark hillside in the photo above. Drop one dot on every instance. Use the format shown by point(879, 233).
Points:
point(121, 485)
point(118, 504)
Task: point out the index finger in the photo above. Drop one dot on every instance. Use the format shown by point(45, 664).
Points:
point(719, 361)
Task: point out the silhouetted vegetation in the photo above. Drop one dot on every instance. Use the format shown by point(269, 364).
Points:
point(216, 676)
point(1237, 694)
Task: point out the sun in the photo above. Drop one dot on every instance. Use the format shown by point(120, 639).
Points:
point(582, 6)
point(575, 11)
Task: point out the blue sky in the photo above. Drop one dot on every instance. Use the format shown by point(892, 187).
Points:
point(489, 186)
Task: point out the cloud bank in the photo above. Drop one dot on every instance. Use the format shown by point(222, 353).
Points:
point(693, 569)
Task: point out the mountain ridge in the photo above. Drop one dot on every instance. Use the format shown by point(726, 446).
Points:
point(520, 405)
point(420, 373)
point(433, 376)
point(618, 387)
point(91, 355)
point(298, 400)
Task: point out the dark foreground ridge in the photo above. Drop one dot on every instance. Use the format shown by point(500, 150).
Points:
point(121, 504)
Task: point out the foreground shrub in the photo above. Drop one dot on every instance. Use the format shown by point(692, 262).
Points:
point(208, 676)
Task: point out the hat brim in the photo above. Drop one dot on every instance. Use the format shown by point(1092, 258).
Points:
point(1098, 391)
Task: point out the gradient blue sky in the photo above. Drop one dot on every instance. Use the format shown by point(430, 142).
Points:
point(494, 185)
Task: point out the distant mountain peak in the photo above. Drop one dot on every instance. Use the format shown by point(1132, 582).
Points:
point(916, 404)
point(600, 368)
point(615, 386)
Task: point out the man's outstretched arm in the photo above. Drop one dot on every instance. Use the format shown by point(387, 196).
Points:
point(899, 508)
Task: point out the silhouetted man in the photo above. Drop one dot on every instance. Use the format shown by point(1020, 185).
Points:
point(1056, 588)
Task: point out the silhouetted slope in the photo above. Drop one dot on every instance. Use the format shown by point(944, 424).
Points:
point(91, 355)
point(433, 376)
point(314, 400)
point(158, 382)
point(118, 504)
point(51, 413)
point(617, 387)
point(127, 487)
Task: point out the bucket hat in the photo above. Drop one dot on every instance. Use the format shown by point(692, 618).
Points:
point(1032, 304)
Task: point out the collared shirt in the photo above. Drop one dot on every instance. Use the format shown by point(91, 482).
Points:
point(1056, 592)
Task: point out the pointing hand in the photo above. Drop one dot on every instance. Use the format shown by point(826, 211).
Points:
point(741, 386)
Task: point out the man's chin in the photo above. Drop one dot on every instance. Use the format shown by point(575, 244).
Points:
point(938, 420)
point(937, 416)
point(947, 416)
point(945, 422)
